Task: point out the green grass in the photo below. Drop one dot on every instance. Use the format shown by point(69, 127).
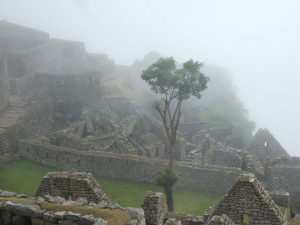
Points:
point(112, 216)
point(24, 176)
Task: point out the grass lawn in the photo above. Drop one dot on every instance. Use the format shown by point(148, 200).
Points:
point(24, 176)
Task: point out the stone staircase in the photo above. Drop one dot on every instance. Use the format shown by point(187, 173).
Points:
point(14, 110)
point(8, 118)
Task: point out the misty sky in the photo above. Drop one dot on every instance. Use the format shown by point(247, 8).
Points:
point(258, 41)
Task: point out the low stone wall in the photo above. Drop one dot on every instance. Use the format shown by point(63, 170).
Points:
point(220, 220)
point(27, 212)
point(185, 219)
point(64, 139)
point(139, 169)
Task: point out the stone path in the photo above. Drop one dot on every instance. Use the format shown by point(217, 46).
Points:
point(8, 118)
point(15, 109)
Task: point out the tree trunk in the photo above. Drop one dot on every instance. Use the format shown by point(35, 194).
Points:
point(171, 154)
point(170, 202)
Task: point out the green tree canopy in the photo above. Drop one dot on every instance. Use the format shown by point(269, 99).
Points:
point(164, 78)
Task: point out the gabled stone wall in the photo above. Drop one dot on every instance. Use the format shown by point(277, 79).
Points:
point(72, 186)
point(265, 147)
point(248, 199)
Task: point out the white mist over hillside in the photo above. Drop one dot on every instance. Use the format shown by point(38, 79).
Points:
point(257, 41)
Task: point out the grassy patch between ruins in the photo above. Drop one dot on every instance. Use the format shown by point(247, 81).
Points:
point(24, 176)
point(112, 216)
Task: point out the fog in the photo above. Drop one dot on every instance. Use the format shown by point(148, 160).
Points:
point(257, 41)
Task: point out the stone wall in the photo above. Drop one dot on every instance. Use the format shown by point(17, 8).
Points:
point(3, 95)
point(80, 87)
point(72, 186)
point(63, 139)
point(248, 200)
point(286, 177)
point(8, 145)
point(202, 177)
point(22, 211)
point(220, 220)
point(56, 56)
point(265, 147)
point(14, 37)
point(154, 208)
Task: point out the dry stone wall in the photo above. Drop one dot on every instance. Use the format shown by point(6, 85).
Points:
point(27, 212)
point(72, 186)
point(202, 177)
point(154, 208)
point(286, 177)
point(265, 147)
point(248, 199)
point(220, 220)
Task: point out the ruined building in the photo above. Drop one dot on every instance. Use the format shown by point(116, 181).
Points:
point(80, 115)
point(265, 147)
point(248, 201)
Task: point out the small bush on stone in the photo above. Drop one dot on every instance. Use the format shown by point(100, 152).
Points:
point(167, 178)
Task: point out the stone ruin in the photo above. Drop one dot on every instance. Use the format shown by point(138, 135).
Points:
point(220, 220)
point(72, 186)
point(60, 188)
point(63, 70)
point(154, 208)
point(82, 115)
point(248, 200)
point(265, 147)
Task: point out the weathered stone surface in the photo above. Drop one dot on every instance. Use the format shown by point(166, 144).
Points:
point(133, 168)
point(21, 212)
point(87, 220)
point(173, 221)
point(220, 220)
point(23, 207)
point(265, 147)
point(71, 186)
point(284, 175)
point(154, 208)
point(36, 221)
point(7, 194)
point(248, 198)
point(99, 221)
point(6, 217)
point(21, 196)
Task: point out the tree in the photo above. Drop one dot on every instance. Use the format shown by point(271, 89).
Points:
point(175, 86)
